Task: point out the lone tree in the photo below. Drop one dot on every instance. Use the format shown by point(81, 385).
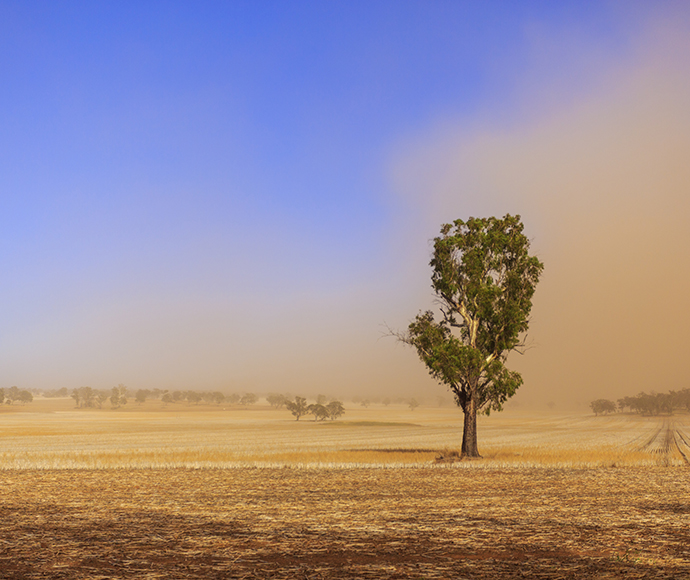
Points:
point(484, 279)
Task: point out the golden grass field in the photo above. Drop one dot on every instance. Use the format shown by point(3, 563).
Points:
point(202, 492)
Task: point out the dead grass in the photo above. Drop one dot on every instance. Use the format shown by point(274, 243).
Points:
point(61, 437)
point(191, 493)
point(345, 523)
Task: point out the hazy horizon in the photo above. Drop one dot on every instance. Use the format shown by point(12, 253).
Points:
point(242, 197)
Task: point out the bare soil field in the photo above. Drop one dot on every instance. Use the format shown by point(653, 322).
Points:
point(187, 492)
point(346, 523)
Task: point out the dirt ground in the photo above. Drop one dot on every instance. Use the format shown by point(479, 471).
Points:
point(346, 523)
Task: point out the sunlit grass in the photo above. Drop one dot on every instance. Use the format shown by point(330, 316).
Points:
point(56, 436)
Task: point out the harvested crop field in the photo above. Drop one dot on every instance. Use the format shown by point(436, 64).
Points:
point(405, 522)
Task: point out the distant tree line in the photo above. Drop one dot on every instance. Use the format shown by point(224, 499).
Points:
point(646, 403)
point(15, 395)
point(119, 396)
point(56, 393)
point(412, 403)
point(209, 398)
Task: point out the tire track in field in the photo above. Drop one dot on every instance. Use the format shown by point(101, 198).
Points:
point(682, 441)
point(652, 443)
point(666, 439)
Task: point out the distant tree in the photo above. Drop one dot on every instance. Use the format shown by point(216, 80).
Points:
point(663, 403)
point(386, 401)
point(298, 407)
point(484, 280)
point(118, 396)
point(276, 400)
point(443, 401)
point(25, 397)
point(335, 409)
point(100, 396)
point(85, 397)
point(193, 397)
point(365, 403)
point(248, 399)
point(321, 399)
point(167, 398)
point(2, 395)
point(12, 395)
point(602, 406)
point(141, 396)
point(122, 389)
point(413, 404)
point(88, 397)
point(683, 399)
point(177, 396)
point(218, 397)
point(319, 411)
point(233, 399)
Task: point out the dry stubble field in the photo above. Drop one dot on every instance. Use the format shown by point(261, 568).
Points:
point(191, 493)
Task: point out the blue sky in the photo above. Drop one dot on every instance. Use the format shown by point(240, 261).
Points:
point(208, 194)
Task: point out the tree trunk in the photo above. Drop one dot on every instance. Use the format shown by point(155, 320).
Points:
point(469, 432)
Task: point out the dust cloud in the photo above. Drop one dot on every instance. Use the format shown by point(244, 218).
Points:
point(603, 185)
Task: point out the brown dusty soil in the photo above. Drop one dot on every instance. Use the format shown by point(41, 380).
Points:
point(346, 523)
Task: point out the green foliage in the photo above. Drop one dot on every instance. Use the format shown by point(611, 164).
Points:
point(484, 279)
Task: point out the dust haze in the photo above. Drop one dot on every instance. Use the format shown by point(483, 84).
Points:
point(595, 162)
point(602, 183)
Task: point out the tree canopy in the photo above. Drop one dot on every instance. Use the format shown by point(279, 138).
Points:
point(484, 279)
